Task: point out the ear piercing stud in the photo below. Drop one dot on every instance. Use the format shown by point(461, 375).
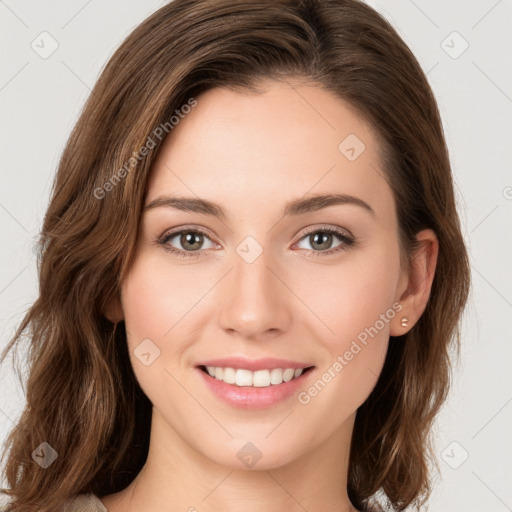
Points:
point(404, 321)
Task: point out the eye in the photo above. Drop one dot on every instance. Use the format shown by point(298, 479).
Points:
point(190, 242)
point(321, 240)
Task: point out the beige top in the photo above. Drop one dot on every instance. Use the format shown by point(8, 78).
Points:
point(81, 503)
point(86, 503)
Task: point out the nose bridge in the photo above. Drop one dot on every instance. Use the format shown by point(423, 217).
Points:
point(254, 297)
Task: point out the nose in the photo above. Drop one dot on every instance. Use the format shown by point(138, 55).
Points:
point(255, 301)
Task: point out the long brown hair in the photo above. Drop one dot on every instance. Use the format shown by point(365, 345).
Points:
point(82, 396)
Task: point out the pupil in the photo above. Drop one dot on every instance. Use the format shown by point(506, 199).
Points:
point(325, 237)
point(188, 239)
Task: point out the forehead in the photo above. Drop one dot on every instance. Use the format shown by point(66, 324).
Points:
point(247, 150)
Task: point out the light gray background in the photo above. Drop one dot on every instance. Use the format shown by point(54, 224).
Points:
point(40, 99)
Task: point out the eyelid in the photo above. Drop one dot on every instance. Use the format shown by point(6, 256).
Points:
point(188, 228)
point(325, 227)
point(346, 238)
point(343, 234)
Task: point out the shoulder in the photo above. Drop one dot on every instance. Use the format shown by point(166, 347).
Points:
point(85, 503)
point(4, 502)
point(80, 503)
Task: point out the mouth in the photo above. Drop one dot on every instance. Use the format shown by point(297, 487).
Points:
point(257, 383)
point(262, 378)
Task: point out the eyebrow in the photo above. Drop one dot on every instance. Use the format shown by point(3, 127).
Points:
point(293, 208)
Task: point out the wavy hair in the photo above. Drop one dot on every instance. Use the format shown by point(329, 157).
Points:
point(82, 395)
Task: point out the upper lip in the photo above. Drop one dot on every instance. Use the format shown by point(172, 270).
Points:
point(265, 363)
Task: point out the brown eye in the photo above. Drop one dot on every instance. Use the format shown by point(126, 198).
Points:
point(191, 240)
point(186, 243)
point(321, 240)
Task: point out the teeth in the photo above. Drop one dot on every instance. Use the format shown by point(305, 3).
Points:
point(261, 378)
point(276, 376)
point(258, 379)
point(243, 378)
point(288, 374)
point(229, 376)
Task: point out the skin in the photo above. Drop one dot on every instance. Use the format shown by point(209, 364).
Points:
point(251, 154)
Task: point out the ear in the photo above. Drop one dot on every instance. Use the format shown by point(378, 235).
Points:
point(113, 311)
point(416, 282)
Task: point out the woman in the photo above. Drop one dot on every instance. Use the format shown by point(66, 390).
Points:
point(251, 272)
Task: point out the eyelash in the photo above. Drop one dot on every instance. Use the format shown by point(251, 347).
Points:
point(347, 241)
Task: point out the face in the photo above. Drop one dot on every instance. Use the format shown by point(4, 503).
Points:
point(255, 271)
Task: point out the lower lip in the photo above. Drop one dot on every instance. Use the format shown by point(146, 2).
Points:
point(249, 397)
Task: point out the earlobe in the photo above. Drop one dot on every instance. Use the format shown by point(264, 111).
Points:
point(419, 283)
point(114, 311)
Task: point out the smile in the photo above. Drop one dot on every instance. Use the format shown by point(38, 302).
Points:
point(259, 378)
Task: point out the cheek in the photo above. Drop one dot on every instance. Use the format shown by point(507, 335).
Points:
point(161, 314)
point(157, 297)
point(355, 302)
point(350, 296)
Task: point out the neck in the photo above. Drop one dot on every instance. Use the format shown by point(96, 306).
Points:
point(176, 476)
